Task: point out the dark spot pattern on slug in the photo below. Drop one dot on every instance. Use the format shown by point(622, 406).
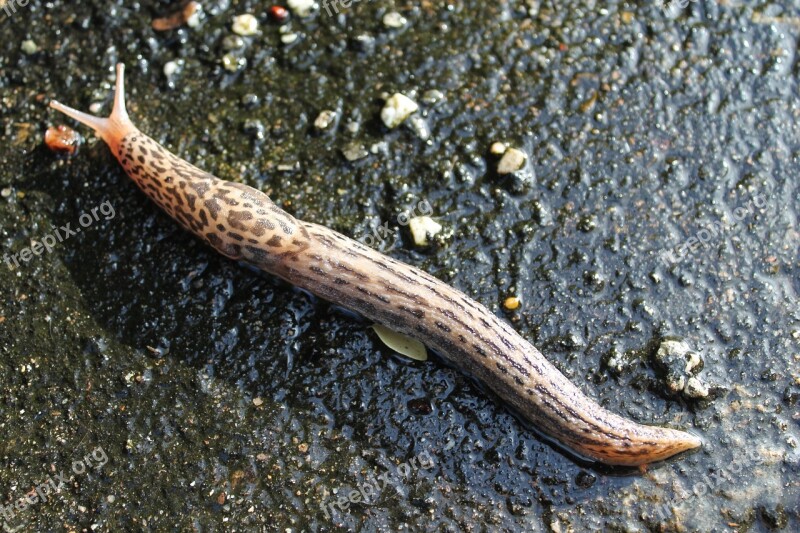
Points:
point(213, 208)
point(237, 219)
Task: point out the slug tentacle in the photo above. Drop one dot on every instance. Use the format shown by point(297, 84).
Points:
point(244, 224)
point(112, 129)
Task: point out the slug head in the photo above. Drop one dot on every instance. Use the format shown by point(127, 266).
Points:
point(112, 129)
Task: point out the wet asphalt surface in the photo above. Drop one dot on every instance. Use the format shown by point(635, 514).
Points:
point(150, 384)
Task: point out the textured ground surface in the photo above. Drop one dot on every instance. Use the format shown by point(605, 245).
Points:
point(199, 395)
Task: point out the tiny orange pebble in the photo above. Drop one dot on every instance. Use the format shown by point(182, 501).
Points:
point(511, 303)
point(278, 13)
point(62, 140)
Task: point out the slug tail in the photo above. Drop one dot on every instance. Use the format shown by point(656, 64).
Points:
point(112, 129)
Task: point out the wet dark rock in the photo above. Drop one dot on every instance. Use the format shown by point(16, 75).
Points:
point(250, 101)
point(420, 406)
point(254, 128)
point(585, 480)
point(774, 517)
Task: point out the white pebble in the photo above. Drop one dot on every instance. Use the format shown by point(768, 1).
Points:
point(393, 19)
point(302, 8)
point(397, 108)
point(498, 148)
point(289, 38)
point(512, 161)
point(170, 68)
point(245, 25)
point(422, 228)
point(381, 147)
point(672, 348)
point(696, 388)
point(325, 119)
point(420, 127)
point(29, 47)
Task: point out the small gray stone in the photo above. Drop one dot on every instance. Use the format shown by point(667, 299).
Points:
point(233, 63)
point(355, 151)
point(432, 97)
point(420, 127)
point(232, 42)
point(250, 100)
point(364, 43)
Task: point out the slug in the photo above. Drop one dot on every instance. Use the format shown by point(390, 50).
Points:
point(243, 224)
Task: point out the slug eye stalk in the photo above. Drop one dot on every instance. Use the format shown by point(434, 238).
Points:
point(116, 126)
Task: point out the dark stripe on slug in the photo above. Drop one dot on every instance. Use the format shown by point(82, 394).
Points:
point(419, 313)
point(383, 299)
point(259, 255)
point(545, 393)
point(354, 272)
point(391, 288)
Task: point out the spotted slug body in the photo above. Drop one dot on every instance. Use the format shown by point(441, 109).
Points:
point(244, 224)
